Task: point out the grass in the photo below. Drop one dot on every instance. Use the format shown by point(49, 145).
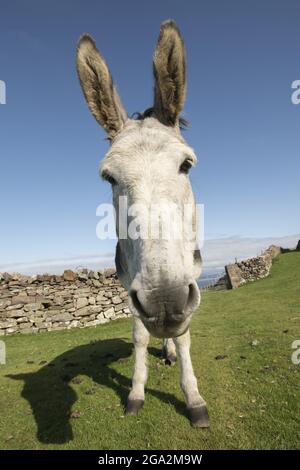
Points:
point(75, 399)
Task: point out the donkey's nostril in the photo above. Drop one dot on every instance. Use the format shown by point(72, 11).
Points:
point(193, 297)
point(136, 303)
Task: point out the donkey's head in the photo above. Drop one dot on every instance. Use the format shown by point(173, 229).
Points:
point(148, 163)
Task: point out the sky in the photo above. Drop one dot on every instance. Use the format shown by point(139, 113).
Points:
point(242, 59)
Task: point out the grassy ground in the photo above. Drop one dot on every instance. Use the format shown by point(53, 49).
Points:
point(66, 390)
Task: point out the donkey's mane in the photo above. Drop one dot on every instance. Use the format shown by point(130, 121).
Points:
point(149, 112)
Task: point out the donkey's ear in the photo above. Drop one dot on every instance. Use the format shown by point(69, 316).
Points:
point(98, 87)
point(169, 74)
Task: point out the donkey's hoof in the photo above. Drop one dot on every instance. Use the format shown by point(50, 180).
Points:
point(170, 360)
point(134, 406)
point(199, 416)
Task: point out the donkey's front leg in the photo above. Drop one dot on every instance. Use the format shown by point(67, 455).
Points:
point(137, 394)
point(195, 404)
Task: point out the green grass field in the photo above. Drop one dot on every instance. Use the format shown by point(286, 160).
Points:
point(66, 390)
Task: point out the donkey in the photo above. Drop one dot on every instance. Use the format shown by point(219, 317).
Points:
point(148, 161)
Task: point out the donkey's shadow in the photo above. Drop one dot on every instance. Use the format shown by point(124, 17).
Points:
point(51, 398)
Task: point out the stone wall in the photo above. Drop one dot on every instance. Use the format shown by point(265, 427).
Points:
point(31, 304)
point(251, 269)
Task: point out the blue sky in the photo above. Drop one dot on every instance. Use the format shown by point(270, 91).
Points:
point(242, 60)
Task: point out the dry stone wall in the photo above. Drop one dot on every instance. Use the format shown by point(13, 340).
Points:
point(251, 269)
point(31, 304)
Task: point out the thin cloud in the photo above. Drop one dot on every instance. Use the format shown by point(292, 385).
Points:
point(216, 253)
point(58, 265)
point(219, 252)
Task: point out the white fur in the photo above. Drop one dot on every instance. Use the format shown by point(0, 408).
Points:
point(144, 160)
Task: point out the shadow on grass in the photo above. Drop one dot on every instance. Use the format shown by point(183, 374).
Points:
point(51, 398)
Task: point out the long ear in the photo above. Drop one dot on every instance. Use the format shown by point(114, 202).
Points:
point(98, 87)
point(169, 74)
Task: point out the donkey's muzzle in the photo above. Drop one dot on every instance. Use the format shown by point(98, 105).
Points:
point(165, 307)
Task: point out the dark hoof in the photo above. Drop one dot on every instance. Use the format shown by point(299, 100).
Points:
point(199, 416)
point(170, 360)
point(134, 406)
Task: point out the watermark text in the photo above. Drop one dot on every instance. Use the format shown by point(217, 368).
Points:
point(2, 92)
point(163, 221)
point(295, 97)
point(296, 354)
point(2, 353)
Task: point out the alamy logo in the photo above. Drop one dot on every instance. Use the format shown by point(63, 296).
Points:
point(2, 92)
point(2, 353)
point(164, 221)
point(296, 94)
point(296, 354)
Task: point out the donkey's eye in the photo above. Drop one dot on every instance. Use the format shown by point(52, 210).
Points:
point(185, 166)
point(107, 177)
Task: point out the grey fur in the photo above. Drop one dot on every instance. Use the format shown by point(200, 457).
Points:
point(98, 87)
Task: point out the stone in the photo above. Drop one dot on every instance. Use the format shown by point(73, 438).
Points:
point(109, 313)
point(14, 313)
point(57, 326)
point(104, 302)
point(101, 297)
point(33, 307)
point(96, 308)
point(42, 325)
point(93, 323)
point(61, 317)
point(74, 324)
point(81, 302)
point(88, 318)
point(22, 299)
point(69, 275)
point(27, 331)
point(4, 303)
point(116, 300)
point(5, 294)
point(81, 312)
point(10, 331)
point(82, 292)
point(37, 316)
point(25, 325)
point(82, 275)
point(8, 324)
point(120, 306)
point(22, 320)
point(119, 315)
point(234, 275)
point(6, 277)
point(14, 307)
